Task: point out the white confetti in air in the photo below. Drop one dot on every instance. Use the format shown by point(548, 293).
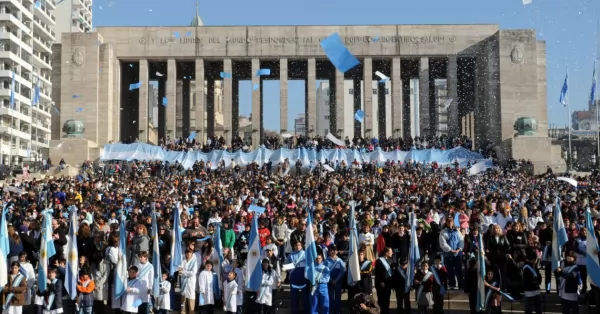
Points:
point(100, 7)
point(447, 103)
point(58, 146)
point(134, 121)
point(150, 10)
point(159, 74)
point(382, 76)
point(526, 2)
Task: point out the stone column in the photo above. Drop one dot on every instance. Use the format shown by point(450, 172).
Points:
point(200, 106)
point(424, 118)
point(368, 97)
point(311, 97)
point(256, 125)
point(142, 120)
point(283, 95)
point(171, 125)
point(397, 103)
point(452, 85)
point(227, 103)
point(339, 106)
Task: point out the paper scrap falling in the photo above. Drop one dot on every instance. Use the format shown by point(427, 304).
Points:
point(159, 74)
point(79, 110)
point(131, 65)
point(382, 76)
point(526, 2)
point(188, 34)
point(76, 96)
point(134, 121)
point(56, 109)
point(359, 116)
point(447, 103)
point(338, 54)
point(165, 101)
point(225, 75)
point(38, 4)
point(335, 140)
point(135, 85)
point(255, 87)
point(176, 34)
point(265, 72)
point(375, 39)
point(58, 146)
point(100, 7)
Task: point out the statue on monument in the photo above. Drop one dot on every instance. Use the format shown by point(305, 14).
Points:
point(526, 126)
point(73, 129)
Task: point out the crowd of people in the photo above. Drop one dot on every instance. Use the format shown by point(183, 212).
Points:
point(510, 207)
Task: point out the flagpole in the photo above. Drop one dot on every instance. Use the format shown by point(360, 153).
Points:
point(569, 166)
point(594, 100)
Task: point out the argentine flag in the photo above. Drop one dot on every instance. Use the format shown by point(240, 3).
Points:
point(4, 249)
point(591, 258)
point(559, 236)
point(176, 255)
point(413, 252)
point(72, 270)
point(47, 250)
point(254, 265)
point(310, 249)
point(353, 264)
point(120, 280)
point(156, 265)
point(480, 305)
point(564, 91)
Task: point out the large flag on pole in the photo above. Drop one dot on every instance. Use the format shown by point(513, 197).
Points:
point(72, 271)
point(593, 91)
point(310, 249)
point(176, 254)
point(353, 265)
point(564, 91)
point(4, 249)
point(413, 252)
point(480, 306)
point(47, 250)
point(120, 280)
point(254, 266)
point(559, 236)
point(156, 265)
point(593, 267)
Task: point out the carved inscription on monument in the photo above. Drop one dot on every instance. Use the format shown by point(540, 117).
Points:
point(307, 40)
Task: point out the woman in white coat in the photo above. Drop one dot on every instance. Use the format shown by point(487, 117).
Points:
point(230, 291)
point(188, 282)
point(265, 293)
point(100, 273)
point(207, 298)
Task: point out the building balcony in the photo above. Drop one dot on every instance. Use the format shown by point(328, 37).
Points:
point(49, 3)
point(16, 39)
point(41, 44)
point(44, 78)
point(5, 94)
point(15, 58)
point(23, 116)
point(44, 30)
point(39, 141)
point(13, 20)
point(12, 131)
point(44, 14)
point(45, 95)
point(45, 127)
point(41, 61)
point(20, 5)
point(21, 78)
point(43, 110)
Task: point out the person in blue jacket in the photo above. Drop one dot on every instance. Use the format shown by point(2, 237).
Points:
point(337, 269)
point(298, 284)
point(319, 298)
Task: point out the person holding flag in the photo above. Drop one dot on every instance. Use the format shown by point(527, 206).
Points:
point(298, 283)
point(146, 278)
point(532, 278)
point(383, 279)
point(337, 269)
point(319, 300)
point(52, 303)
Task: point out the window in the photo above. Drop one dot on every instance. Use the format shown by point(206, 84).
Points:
point(387, 91)
point(374, 91)
point(326, 117)
point(351, 91)
point(328, 92)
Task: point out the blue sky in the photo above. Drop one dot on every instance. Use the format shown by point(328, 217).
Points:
point(569, 28)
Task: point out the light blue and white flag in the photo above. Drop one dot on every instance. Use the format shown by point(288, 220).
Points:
point(36, 93)
point(254, 265)
point(593, 91)
point(559, 236)
point(156, 265)
point(72, 270)
point(564, 91)
point(353, 264)
point(4, 249)
point(47, 250)
point(176, 233)
point(310, 249)
point(121, 275)
point(480, 305)
point(591, 259)
point(413, 252)
point(12, 90)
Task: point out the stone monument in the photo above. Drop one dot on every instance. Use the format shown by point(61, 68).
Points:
point(73, 147)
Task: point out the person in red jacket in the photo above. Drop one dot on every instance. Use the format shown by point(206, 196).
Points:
point(263, 233)
point(383, 239)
